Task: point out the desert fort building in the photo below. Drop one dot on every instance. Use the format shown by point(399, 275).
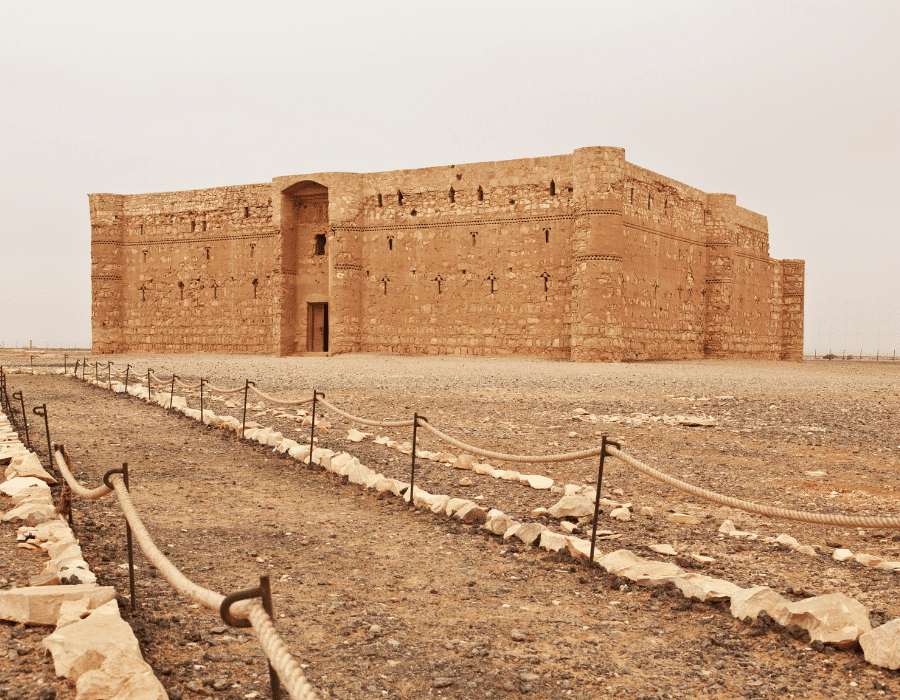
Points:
point(583, 256)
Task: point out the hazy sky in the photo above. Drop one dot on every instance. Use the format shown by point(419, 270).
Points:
point(792, 106)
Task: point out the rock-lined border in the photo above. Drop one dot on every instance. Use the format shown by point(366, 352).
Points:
point(92, 646)
point(834, 619)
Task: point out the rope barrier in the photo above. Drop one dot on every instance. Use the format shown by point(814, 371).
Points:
point(283, 402)
point(366, 421)
point(750, 507)
point(224, 391)
point(729, 501)
point(501, 456)
point(289, 671)
point(63, 463)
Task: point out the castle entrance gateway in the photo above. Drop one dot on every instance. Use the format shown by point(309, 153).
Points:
point(317, 327)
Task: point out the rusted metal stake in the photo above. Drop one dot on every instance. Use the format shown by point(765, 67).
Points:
point(172, 392)
point(412, 471)
point(148, 383)
point(21, 397)
point(263, 591)
point(42, 411)
point(109, 375)
point(247, 385)
point(76, 368)
point(127, 370)
point(65, 363)
point(202, 380)
point(312, 428)
point(604, 441)
point(124, 472)
point(96, 372)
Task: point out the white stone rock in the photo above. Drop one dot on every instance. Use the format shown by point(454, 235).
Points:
point(832, 619)
point(881, 646)
point(706, 588)
point(497, 522)
point(647, 511)
point(34, 494)
point(354, 435)
point(528, 533)
point(581, 549)
point(684, 519)
point(536, 481)
point(889, 566)
point(286, 445)
point(300, 453)
point(787, 541)
point(537, 512)
point(440, 504)
point(21, 512)
point(663, 549)
point(40, 606)
point(72, 611)
point(567, 526)
point(571, 506)
point(454, 504)
point(482, 468)
point(17, 483)
point(702, 559)
point(868, 559)
point(621, 514)
point(84, 645)
point(571, 490)
point(28, 465)
point(463, 462)
point(652, 573)
point(842, 555)
point(553, 541)
point(617, 561)
point(470, 513)
point(750, 602)
point(121, 676)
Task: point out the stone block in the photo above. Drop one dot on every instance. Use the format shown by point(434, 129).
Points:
point(40, 606)
point(881, 646)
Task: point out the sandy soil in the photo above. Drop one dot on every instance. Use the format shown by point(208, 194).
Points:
point(382, 601)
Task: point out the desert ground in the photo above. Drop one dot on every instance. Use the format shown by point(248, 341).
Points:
point(379, 600)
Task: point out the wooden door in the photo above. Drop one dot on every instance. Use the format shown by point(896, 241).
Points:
point(317, 333)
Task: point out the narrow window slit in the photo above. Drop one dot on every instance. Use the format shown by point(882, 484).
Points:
point(552, 188)
point(480, 194)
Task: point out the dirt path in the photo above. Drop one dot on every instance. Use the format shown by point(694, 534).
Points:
point(381, 601)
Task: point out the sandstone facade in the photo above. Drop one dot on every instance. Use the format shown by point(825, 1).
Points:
point(582, 256)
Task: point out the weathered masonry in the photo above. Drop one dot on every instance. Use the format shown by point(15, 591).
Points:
point(582, 256)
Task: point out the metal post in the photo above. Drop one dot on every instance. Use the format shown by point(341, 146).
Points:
point(65, 364)
point(21, 397)
point(412, 471)
point(42, 411)
point(201, 399)
point(96, 372)
point(266, 591)
point(130, 544)
point(263, 591)
point(127, 370)
point(603, 443)
point(247, 384)
point(109, 375)
point(172, 392)
point(148, 383)
point(312, 428)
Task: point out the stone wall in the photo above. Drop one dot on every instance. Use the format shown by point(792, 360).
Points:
point(582, 256)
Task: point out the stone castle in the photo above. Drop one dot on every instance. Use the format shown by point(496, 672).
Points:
point(582, 256)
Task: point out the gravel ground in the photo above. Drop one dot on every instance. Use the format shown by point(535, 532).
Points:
point(437, 589)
